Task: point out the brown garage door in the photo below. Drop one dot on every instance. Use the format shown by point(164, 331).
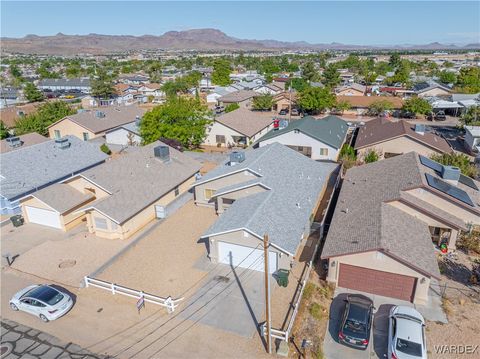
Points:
point(377, 282)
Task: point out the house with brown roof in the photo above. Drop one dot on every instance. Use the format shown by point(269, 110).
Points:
point(10, 115)
point(240, 127)
point(390, 216)
point(17, 142)
point(243, 98)
point(392, 138)
point(359, 105)
point(88, 124)
point(352, 89)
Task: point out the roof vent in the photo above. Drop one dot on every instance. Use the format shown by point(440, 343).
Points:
point(236, 157)
point(345, 210)
point(451, 174)
point(420, 129)
point(62, 143)
point(162, 153)
point(14, 141)
point(99, 114)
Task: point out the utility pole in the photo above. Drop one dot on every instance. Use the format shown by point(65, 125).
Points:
point(267, 295)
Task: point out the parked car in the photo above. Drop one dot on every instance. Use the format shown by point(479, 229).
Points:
point(406, 334)
point(356, 321)
point(439, 116)
point(283, 111)
point(295, 112)
point(42, 301)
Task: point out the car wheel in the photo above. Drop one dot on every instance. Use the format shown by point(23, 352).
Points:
point(43, 318)
point(13, 307)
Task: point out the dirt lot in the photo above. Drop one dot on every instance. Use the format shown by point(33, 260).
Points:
point(163, 262)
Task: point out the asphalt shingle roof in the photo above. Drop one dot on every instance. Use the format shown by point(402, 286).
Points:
point(283, 211)
point(238, 96)
point(62, 197)
point(246, 122)
point(31, 168)
point(330, 130)
point(26, 140)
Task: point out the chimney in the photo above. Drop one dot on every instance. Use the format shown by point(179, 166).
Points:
point(451, 174)
point(236, 157)
point(420, 129)
point(162, 153)
point(14, 141)
point(62, 143)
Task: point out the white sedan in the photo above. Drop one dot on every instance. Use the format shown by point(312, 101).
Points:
point(406, 334)
point(42, 301)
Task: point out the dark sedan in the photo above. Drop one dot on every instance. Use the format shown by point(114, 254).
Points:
point(356, 322)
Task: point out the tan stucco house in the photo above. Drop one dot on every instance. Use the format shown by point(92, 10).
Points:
point(353, 89)
point(89, 124)
point(390, 216)
point(272, 191)
point(391, 138)
point(120, 197)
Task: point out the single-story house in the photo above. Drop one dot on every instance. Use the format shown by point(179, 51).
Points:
point(318, 139)
point(284, 100)
point(29, 169)
point(271, 190)
point(125, 135)
point(269, 89)
point(240, 127)
point(243, 98)
point(88, 124)
point(10, 115)
point(472, 138)
point(217, 93)
point(80, 84)
point(389, 216)
point(392, 138)
point(119, 197)
point(352, 89)
point(431, 88)
point(359, 105)
point(17, 142)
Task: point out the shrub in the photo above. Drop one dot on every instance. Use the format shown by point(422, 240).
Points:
point(371, 156)
point(309, 290)
point(316, 311)
point(469, 242)
point(105, 149)
point(231, 107)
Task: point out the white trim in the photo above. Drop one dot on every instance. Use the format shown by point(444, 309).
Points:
point(240, 188)
point(93, 207)
point(32, 195)
point(89, 180)
point(225, 175)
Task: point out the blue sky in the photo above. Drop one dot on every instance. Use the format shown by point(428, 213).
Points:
point(360, 22)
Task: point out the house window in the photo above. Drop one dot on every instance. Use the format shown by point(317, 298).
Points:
point(100, 223)
point(86, 136)
point(177, 191)
point(57, 134)
point(323, 151)
point(220, 138)
point(209, 193)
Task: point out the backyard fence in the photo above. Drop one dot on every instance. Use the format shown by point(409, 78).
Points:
point(168, 302)
point(449, 292)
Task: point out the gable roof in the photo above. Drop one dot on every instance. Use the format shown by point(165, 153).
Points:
point(246, 122)
point(364, 220)
point(238, 96)
point(26, 140)
point(292, 185)
point(10, 115)
point(330, 130)
point(62, 197)
point(113, 117)
point(353, 86)
point(32, 168)
point(366, 101)
point(77, 82)
point(429, 85)
point(137, 179)
point(381, 129)
point(130, 127)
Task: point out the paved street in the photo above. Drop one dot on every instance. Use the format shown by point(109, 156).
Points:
point(20, 341)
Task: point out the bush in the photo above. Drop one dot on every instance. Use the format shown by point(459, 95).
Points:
point(469, 242)
point(316, 311)
point(231, 107)
point(459, 160)
point(105, 149)
point(371, 156)
point(309, 290)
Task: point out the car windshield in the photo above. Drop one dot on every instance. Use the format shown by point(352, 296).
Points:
point(353, 327)
point(46, 294)
point(409, 348)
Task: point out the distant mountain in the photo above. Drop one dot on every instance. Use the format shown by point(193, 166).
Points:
point(199, 39)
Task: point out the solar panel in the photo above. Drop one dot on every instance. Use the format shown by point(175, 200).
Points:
point(427, 162)
point(467, 181)
point(447, 188)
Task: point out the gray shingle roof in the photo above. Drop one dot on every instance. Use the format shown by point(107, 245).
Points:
point(32, 168)
point(238, 96)
point(246, 122)
point(26, 140)
point(283, 211)
point(78, 82)
point(113, 117)
point(137, 179)
point(330, 130)
point(62, 197)
point(364, 221)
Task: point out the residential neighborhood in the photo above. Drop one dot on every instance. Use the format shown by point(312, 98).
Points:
point(173, 186)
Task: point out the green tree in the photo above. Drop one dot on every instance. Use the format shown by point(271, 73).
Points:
point(15, 71)
point(459, 160)
point(3, 131)
point(154, 70)
point(447, 77)
point(394, 60)
point(180, 118)
point(221, 72)
point(45, 115)
point(105, 149)
point(263, 102)
point(371, 156)
point(417, 105)
point(378, 107)
point(469, 79)
point(102, 85)
point(471, 117)
point(347, 156)
point(315, 99)
point(330, 76)
point(231, 107)
point(342, 106)
point(309, 72)
point(32, 94)
point(298, 84)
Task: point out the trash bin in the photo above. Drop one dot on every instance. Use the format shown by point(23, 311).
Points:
point(282, 277)
point(17, 220)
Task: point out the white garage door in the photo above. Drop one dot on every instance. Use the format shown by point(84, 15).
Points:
point(245, 257)
point(43, 217)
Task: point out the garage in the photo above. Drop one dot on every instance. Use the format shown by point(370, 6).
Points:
point(245, 257)
point(44, 217)
point(377, 282)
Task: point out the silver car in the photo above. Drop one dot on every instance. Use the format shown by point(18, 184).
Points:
point(406, 334)
point(42, 301)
